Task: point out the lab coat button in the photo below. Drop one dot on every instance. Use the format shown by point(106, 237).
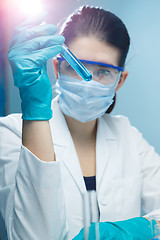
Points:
point(103, 201)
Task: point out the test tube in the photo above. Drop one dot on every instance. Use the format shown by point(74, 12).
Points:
point(86, 214)
point(90, 213)
point(75, 63)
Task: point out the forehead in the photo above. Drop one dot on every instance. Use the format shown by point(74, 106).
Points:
point(90, 48)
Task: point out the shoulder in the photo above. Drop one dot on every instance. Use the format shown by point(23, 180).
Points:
point(10, 145)
point(117, 122)
point(11, 124)
point(120, 125)
point(116, 119)
point(16, 117)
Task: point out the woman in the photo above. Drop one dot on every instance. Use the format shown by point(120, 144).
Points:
point(46, 167)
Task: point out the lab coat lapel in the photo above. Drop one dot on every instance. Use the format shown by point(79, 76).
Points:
point(64, 146)
point(104, 147)
point(59, 129)
point(72, 163)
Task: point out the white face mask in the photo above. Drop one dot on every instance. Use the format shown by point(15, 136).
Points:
point(83, 100)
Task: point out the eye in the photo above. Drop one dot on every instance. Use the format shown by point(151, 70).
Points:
point(68, 68)
point(102, 72)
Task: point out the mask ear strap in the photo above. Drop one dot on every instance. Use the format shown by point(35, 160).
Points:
point(109, 110)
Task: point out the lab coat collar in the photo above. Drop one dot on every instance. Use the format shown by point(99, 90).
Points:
point(59, 129)
point(104, 146)
point(104, 127)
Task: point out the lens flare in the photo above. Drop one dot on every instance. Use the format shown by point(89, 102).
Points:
point(31, 7)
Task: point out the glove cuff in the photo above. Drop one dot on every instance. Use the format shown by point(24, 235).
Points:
point(138, 227)
point(36, 100)
point(38, 115)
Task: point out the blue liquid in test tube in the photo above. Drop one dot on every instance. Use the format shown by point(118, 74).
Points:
point(76, 64)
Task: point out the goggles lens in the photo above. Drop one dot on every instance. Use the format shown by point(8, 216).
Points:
point(102, 73)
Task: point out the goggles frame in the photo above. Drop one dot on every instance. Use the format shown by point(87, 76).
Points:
point(120, 69)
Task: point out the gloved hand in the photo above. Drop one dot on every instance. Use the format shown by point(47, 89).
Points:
point(132, 229)
point(29, 51)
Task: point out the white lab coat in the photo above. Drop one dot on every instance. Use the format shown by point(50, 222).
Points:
point(43, 200)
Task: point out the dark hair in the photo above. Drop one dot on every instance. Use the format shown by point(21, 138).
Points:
point(103, 25)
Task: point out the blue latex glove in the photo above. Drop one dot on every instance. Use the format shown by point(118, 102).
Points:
point(31, 47)
point(132, 229)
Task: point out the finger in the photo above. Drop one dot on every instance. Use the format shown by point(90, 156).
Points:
point(45, 54)
point(34, 45)
point(34, 60)
point(34, 32)
point(41, 30)
point(41, 43)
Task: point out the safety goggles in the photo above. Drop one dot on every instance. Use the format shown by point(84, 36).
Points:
point(101, 72)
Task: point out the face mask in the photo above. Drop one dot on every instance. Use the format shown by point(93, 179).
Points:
point(83, 100)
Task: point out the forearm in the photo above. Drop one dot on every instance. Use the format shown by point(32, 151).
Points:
point(36, 136)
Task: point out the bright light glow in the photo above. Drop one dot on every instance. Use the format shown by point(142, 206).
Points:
point(31, 8)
